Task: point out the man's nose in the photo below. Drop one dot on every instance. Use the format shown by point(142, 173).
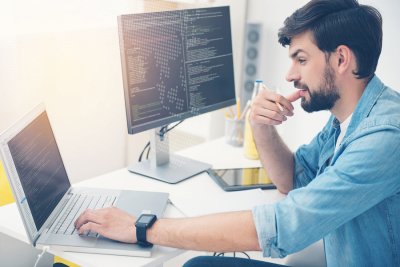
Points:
point(292, 75)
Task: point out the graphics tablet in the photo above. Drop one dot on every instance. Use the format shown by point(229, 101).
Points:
point(241, 179)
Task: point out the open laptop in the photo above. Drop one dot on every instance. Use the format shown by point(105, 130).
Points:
point(46, 201)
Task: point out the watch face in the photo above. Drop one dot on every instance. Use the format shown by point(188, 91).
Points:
point(145, 218)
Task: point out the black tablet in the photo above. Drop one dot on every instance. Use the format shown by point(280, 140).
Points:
point(241, 179)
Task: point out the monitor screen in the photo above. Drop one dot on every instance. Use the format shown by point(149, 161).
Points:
point(175, 64)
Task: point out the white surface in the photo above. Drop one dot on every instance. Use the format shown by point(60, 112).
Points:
point(217, 200)
point(220, 155)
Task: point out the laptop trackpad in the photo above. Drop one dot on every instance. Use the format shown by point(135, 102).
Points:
point(137, 202)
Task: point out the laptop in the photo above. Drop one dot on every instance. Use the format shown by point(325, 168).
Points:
point(46, 201)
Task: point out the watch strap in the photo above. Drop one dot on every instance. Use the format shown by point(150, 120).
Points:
point(141, 235)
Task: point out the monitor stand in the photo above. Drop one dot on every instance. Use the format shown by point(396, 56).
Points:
point(165, 167)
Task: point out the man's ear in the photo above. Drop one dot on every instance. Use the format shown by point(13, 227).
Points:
point(344, 59)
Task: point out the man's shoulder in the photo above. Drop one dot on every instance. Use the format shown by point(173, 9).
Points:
point(386, 110)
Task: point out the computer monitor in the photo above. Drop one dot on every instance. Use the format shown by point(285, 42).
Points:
point(175, 65)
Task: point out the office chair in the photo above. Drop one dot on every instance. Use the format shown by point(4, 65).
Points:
point(6, 197)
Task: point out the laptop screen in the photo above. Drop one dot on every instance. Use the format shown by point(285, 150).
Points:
point(39, 165)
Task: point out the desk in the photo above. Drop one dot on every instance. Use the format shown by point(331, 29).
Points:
point(216, 152)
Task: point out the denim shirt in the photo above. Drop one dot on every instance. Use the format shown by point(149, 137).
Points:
point(351, 197)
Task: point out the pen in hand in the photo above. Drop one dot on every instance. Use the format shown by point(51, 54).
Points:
point(276, 102)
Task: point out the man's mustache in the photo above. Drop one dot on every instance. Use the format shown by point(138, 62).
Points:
point(300, 86)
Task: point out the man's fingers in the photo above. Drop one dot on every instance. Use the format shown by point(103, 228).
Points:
point(87, 216)
point(279, 100)
point(294, 96)
point(271, 114)
point(265, 120)
point(90, 226)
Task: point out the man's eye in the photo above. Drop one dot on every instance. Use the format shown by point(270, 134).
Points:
point(302, 61)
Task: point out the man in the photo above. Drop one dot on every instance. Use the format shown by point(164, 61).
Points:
point(343, 187)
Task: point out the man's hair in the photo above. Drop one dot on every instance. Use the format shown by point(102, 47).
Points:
point(339, 22)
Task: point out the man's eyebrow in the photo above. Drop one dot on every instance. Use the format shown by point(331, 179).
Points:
point(295, 53)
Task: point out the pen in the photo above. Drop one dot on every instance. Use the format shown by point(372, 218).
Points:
point(228, 115)
point(231, 113)
point(276, 102)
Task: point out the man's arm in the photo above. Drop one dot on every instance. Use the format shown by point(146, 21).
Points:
point(275, 156)
point(233, 231)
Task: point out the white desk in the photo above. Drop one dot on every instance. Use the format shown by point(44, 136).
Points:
point(217, 153)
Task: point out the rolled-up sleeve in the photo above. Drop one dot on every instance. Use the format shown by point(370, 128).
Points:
point(264, 219)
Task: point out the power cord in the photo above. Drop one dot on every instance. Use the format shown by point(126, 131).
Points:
point(44, 250)
point(163, 131)
point(147, 146)
point(222, 254)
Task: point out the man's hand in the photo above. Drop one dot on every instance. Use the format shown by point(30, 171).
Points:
point(110, 222)
point(266, 107)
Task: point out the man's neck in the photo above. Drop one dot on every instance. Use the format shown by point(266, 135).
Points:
point(350, 94)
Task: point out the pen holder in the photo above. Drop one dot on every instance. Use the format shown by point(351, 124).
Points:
point(234, 130)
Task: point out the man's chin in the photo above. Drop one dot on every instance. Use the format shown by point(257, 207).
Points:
point(306, 106)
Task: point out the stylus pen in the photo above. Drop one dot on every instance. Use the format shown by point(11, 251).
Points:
point(276, 102)
point(238, 108)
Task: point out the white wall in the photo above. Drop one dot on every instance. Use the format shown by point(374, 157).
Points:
point(275, 62)
point(66, 54)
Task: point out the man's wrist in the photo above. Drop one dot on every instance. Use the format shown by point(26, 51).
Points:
point(262, 133)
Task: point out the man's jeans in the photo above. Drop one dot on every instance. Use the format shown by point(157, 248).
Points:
point(215, 261)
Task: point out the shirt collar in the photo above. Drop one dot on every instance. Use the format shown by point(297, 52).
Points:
point(368, 99)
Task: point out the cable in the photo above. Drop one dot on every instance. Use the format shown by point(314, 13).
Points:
point(161, 134)
point(165, 129)
point(144, 149)
point(174, 126)
point(247, 255)
point(44, 250)
point(148, 152)
point(222, 254)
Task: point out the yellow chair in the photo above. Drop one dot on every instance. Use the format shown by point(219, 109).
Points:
point(61, 260)
point(6, 197)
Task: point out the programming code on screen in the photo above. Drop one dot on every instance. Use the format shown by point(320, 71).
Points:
point(40, 168)
point(176, 63)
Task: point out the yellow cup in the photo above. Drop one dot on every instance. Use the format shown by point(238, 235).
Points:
point(250, 150)
point(263, 177)
point(250, 176)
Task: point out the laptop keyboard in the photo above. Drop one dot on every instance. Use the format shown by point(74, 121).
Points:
point(78, 204)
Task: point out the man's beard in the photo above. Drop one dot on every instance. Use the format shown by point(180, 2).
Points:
point(323, 99)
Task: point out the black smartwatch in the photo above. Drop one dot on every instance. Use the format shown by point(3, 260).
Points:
point(144, 222)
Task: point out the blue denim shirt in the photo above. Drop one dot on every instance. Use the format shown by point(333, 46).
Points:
point(350, 198)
